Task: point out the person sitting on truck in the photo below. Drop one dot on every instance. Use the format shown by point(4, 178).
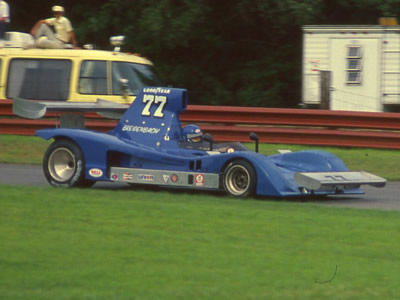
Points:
point(62, 35)
point(4, 18)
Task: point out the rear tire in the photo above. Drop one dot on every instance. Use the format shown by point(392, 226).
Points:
point(64, 165)
point(239, 179)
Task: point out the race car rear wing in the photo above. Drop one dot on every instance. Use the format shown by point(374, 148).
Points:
point(37, 109)
point(337, 180)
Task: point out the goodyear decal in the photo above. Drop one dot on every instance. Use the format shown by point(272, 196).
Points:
point(157, 90)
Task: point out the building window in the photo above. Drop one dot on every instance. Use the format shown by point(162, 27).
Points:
point(354, 65)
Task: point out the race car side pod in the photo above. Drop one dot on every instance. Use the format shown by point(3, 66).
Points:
point(254, 137)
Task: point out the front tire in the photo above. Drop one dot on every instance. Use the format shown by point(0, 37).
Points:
point(64, 165)
point(239, 179)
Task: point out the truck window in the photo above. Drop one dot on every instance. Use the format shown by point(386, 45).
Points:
point(39, 79)
point(93, 77)
point(138, 76)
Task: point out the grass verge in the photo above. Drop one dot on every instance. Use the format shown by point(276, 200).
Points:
point(107, 244)
point(15, 149)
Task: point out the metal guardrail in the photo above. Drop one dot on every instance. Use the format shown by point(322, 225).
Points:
point(273, 125)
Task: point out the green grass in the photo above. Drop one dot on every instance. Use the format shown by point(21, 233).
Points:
point(124, 244)
point(385, 163)
point(16, 149)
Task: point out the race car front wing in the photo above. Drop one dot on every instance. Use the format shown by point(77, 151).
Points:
point(337, 180)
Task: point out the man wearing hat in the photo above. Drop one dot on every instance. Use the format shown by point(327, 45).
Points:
point(63, 33)
point(4, 18)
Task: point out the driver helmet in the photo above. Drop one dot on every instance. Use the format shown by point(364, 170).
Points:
point(192, 133)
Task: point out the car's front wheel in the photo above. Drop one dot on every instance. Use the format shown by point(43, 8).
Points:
point(64, 165)
point(239, 179)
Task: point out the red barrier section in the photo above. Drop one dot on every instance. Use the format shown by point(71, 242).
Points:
point(273, 125)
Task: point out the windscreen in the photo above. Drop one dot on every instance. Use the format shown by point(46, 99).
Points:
point(137, 76)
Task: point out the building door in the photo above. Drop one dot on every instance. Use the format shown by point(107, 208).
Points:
point(355, 74)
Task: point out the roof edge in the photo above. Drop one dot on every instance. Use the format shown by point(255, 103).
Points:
point(349, 28)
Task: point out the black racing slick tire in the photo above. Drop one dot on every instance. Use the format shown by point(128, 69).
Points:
point(239, 179)
point(64, 165)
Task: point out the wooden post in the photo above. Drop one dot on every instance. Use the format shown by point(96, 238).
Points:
point(72, 120)
point(325, 101)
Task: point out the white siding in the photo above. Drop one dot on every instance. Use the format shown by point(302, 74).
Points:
point(390, 68)
point(315, 59)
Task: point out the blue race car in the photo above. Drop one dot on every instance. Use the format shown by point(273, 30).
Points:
point(149, 146)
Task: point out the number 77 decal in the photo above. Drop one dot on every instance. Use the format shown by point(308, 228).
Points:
point(159, 101)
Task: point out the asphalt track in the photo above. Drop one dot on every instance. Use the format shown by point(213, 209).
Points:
point(386, 198)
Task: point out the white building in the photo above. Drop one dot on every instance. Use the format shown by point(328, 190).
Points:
point(364, 62)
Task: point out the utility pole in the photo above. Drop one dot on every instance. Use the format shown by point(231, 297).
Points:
point(325, 101)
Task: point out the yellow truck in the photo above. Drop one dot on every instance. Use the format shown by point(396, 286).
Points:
point(71, 75)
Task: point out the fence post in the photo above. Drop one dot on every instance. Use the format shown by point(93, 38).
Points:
point(325, 101)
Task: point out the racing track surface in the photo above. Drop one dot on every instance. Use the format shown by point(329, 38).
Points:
point(386, 198)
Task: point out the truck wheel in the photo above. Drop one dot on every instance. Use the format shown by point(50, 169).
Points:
point(64, 165)
point(239, 179)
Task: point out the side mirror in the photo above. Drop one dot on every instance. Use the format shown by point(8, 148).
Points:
point(126, 92)
point(208, 138)
point(254, 137)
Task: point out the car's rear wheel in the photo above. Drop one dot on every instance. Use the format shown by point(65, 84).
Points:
point(64, 165)
point(239, 179)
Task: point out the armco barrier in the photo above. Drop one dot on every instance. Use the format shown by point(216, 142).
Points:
point(273, 125)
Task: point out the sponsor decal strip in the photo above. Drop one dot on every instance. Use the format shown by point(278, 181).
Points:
point(165, 177)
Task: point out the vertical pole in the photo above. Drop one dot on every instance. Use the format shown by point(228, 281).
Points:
point(325, 101)
point(72, 120)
